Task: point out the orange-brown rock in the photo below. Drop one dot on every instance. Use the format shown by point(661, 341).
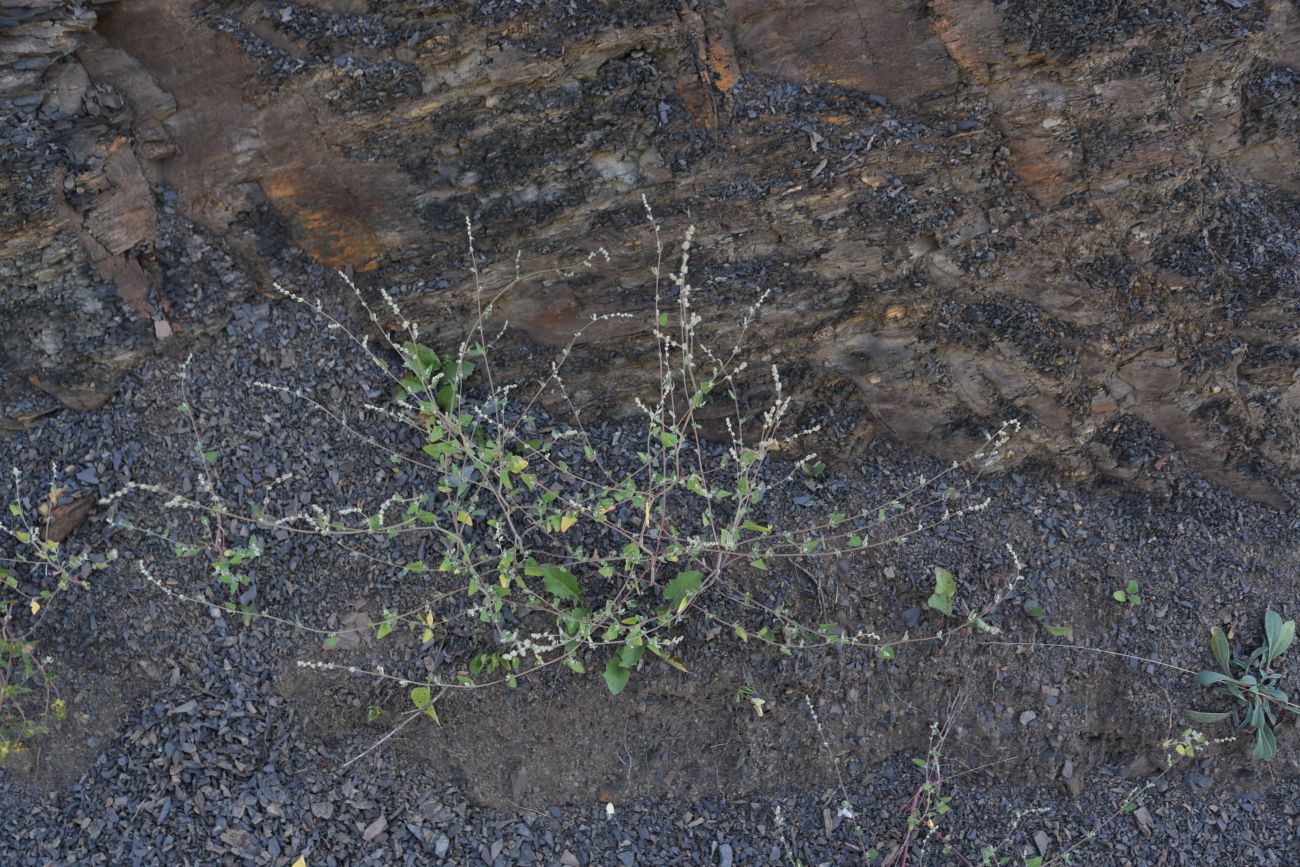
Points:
point(1082, 215)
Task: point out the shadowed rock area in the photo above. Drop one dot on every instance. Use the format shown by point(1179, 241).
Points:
point(1080, 214)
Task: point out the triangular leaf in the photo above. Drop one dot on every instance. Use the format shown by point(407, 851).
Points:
point(940, 603)
point(630, 655)
point(683, 585)
point(616, 675)
point(560, 582)
point(944, 583)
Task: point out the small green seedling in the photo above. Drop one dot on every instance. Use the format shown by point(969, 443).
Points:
point(746, 693)
point(1039, 613)
point(1129, 593)
point(1252, 682)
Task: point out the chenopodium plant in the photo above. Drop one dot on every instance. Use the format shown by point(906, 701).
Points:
point(536, 530)
point(34, 572)
point(1252, 682)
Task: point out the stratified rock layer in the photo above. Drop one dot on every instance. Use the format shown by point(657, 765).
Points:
point(1082, 215)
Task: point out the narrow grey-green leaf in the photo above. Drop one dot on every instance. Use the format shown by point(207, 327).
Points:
point(1206, 678)
point(1206, 717)
point(1280, 639)
point(1265, 744)
point(1272, 625)
point(1219, 645)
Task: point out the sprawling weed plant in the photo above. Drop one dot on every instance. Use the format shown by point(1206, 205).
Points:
point(1253, 682)
point(539, 538)
point(35, 571)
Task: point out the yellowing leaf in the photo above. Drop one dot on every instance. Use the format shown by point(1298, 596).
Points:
point(675, 662)
point(36, 606)
point(464, 518)
point(301, 862)
point(566, 522)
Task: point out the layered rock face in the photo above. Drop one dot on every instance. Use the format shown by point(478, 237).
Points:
point(1079, 213)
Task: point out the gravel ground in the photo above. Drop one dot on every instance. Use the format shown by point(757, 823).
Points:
point(193, 739)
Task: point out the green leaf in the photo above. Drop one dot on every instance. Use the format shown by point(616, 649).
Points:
point(384, 628)
point(1279, 634)
point(940, 603)
point(682, 586)
point(1206, 717)
point(945, 588)
point(1265, 744)
point(1119, 596)
point(759, 564)
point(332, 642)
point(1219, 646)
point(1036, 861)
point(1059, 631)
point(560, 582)
point(944, 583)
point(421, 696)
point(1209, 678)
point(616, 675)
point(885, 651)
point(630, 655)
